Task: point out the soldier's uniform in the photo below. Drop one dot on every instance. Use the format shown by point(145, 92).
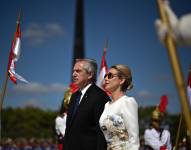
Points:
point(155, 137)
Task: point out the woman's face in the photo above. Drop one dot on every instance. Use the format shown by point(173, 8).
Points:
point(112, 80)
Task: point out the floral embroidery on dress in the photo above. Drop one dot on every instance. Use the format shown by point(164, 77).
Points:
point(115, 131)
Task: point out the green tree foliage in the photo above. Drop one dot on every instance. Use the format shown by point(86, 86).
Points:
point(34, 122)
point(28, 122)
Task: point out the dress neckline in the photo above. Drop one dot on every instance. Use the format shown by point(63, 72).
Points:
point(113, 102)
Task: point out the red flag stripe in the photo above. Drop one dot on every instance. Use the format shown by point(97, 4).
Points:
point(12, 55)
point(12, 77)
point(103, 69)
point(103, 62)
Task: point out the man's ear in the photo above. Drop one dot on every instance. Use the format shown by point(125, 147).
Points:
point(90, 76)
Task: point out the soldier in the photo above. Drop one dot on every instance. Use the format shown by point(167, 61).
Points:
point(157, 138)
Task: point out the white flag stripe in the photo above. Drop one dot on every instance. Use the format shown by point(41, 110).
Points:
point(17, 49)
point(14, 74)
point(20, 78)
point(101, 77)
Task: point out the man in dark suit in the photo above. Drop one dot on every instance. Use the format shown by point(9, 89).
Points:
point(82, 125)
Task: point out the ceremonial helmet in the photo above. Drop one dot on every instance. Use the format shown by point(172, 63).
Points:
point(160, 109)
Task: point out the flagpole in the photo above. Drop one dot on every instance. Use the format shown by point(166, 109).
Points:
point(7, 74)
point(178, 133)
point(3, 91)
point(106, 45)
point(2, 95)
point(2, 98)
point(174, 60)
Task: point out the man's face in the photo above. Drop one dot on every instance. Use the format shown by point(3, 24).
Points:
point(156, 124)
point(80, 75)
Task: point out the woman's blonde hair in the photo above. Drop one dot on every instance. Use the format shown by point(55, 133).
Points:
point(124, 72)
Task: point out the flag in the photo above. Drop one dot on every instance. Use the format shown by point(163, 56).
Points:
point(73, 87)
point(189, 87)
point(103, 70)
point(14, 55)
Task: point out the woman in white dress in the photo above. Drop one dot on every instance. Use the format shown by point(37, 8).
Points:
point(119, 120)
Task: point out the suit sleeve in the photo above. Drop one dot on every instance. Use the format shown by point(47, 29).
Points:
point(100, 99)
point(99, 106)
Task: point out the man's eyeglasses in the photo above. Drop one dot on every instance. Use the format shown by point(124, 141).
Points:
point(110, 75)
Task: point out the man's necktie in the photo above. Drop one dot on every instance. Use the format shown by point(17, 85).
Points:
point(76, 102)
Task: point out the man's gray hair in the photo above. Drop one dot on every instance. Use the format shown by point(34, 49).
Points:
point(90, 66)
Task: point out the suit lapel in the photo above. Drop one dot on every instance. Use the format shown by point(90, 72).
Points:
point(86, 96)
point(82, 102)
point(70, 111)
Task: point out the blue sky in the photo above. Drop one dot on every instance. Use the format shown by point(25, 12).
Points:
point(47, 44)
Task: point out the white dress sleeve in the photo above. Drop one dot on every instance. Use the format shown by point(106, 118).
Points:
point(129, 110)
